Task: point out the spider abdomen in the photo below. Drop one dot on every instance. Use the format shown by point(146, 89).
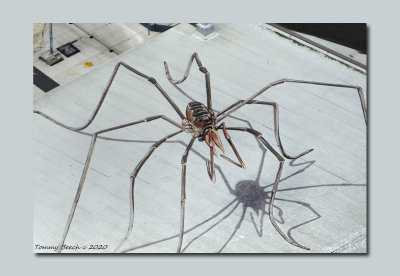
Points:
point(198, 115)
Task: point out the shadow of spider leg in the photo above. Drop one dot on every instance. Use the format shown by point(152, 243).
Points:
point(276, 125)
point(228, 209)
point(185, 232)
point(251, 195)
point(105, 92)
point(94, 136)
point(263, 198)
point(87, 162)
point(276, 184)
point(132, 186)
point(232, 108)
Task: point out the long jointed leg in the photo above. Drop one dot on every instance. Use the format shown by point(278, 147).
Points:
point(276, 184)
point(241, 165)
point(235, 107)
point(133, 177)
point(78, 193)
point(201, 68)
point(359, 90)
point(117, 66)
point(276, 125)
point(183, 193)
point(210, 165)
point(85, 169)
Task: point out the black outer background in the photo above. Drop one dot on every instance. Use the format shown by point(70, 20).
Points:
point(352, 35)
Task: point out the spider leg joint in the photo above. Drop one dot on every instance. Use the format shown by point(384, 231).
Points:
point(149, 119)
point(154, 146)
point(152, 80)
point(278, 82)
point(184, 160)
point(203, 69)
point(254, 132)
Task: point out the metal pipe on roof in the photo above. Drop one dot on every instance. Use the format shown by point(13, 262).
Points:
point(51, 37)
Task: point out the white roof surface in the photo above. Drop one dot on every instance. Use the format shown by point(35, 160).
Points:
point(322, 196)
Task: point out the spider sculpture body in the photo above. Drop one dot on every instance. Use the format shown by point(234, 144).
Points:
point(203, 124)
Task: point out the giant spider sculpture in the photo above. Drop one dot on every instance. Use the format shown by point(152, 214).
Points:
point(203, 124)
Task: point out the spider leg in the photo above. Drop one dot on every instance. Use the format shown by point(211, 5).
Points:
point(210, 165)
point(201, 68)
point(186, 231)
point(78, 193)
point(241, 165)
point(86, 167)
point(308, 206)
point(276, 126)
point(183, 192)
point(110, 81)
point(133, 177)
point(233, 108)
point(276, 184)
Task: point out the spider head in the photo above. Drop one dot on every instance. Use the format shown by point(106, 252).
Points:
point(211, 137)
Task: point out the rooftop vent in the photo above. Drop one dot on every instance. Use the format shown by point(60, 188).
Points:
point(205, 31)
